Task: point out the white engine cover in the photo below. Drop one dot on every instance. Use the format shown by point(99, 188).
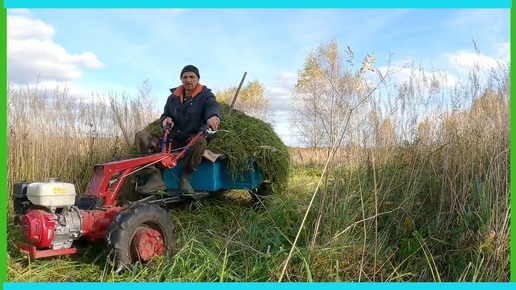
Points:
point(51, 194)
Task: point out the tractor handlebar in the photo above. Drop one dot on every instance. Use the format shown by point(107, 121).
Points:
point(205, 131)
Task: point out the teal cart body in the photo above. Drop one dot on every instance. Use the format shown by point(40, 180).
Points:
point(215, 176)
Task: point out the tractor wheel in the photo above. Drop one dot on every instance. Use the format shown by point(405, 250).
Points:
point(264, 189)
point(219, 193)
point(139, 233)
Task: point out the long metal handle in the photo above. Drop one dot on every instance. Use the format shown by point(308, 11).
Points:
point(237, 92)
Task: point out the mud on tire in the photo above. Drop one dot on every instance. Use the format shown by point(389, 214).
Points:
point(122, 232)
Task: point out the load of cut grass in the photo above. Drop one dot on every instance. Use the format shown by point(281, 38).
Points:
point(247, 137)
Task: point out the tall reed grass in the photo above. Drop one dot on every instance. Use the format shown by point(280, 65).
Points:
point(424, 200)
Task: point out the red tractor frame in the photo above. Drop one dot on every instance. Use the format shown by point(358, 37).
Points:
point(133, 232)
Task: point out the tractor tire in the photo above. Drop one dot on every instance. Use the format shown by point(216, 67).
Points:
point(139, 233)
point(261, 191)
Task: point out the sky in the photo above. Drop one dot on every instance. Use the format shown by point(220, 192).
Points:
point(106, 50)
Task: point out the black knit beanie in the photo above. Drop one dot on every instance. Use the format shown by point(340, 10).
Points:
point(189, 68)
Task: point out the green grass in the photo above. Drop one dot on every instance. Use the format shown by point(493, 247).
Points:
point(432, 208)
point(228, 239)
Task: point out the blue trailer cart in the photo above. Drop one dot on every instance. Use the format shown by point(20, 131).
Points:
point(215, 176)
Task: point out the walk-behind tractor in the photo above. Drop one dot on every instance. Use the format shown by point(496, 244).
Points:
point(52, 216)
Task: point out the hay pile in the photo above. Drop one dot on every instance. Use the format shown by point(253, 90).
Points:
point(248, 137)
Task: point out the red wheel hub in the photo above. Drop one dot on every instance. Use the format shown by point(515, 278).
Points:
point(148, 243)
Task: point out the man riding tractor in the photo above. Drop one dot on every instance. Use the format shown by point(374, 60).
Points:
point(189, 107)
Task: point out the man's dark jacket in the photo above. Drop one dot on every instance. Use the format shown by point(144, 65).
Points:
point(188, 117)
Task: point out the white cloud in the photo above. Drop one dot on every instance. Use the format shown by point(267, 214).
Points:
point(504, 50)
point(22, 27)
point(280, 91)
point(286, 78)
point(457, 65)
point(280, 94)
point(463, 61)
point(33, 56)
point(283, 127)
point(403, 74)
point(51, 88)
point(87, 59)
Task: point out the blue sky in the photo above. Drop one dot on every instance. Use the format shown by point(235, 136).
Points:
point(117, 49)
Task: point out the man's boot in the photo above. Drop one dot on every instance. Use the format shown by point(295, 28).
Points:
point(153, 184)
point(184, 183)
point(192, 159)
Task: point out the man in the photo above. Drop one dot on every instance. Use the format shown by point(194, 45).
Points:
point(188, 108)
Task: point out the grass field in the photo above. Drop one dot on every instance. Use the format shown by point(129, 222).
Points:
point(436, 208)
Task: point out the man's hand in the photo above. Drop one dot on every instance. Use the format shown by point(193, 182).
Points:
point(167, 123)
point(213, 122)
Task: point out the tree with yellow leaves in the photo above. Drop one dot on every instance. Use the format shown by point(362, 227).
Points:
point(252, 100)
